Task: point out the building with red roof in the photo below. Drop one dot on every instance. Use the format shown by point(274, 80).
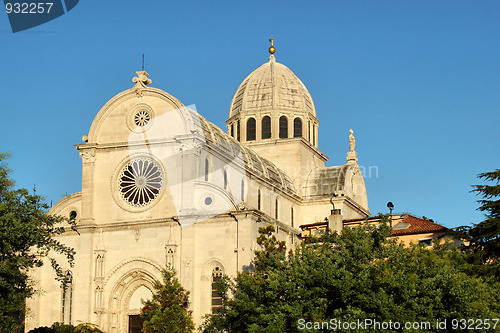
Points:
point(408, 228)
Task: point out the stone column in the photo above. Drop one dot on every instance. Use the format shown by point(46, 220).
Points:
point(99, 284)
point(88, 156)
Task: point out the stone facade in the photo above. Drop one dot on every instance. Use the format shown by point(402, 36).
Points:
point(162, 185)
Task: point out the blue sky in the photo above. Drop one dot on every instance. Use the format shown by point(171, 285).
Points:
point(418, 81)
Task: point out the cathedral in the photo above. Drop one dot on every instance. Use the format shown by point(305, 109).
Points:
point(161, 185)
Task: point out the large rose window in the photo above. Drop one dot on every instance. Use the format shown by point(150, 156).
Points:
point(141, 181)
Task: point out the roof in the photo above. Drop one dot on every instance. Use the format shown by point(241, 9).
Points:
point(272, 86)
point(216, 138)
point(415, 225)
point(405, 224)
point(323, 182)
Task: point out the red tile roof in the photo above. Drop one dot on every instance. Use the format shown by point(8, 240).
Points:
point(408, 226)
point(315, 224)
point(417, 226)
point(370, 219)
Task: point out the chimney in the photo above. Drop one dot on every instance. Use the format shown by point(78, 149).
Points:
point(335, 221)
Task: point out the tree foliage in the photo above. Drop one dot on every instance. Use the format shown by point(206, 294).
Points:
point(168, 310)
point(360, 274)
point(482, 240)
point(27, 234)
point(67, 328)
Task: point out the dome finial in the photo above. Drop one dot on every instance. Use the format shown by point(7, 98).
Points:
point(272, 49)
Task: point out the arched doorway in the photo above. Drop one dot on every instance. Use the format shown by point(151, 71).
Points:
point(135, 306)
point(131, 284)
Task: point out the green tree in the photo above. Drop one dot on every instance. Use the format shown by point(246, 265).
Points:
point(482, 240)
point(67, 328)
point(168, 311)
point(86, 328)
point(27, 234)
point(360, 274)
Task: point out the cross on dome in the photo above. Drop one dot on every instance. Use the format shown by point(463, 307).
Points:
point(272, 49)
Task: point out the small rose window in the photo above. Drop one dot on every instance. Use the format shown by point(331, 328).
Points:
point(142, 118)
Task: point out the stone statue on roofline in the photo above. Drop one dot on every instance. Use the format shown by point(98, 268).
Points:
point(352, 140)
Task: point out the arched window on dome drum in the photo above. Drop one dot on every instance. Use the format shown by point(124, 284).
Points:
point(258, 199)
point(216, 296)
point(242, 190)
point(297, 128)
point(206, 170)
point(276, 209)
point(251, 128)
point(309, 131)
point(266, 127)
point(67, 295)
point(225, 179)
point(283, 127)
point(238, 130)
point(232, 130)
point(314, 135)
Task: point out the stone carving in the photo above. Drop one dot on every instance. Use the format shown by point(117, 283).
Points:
point(352, 140)
point(141, 81)
point(351, 154)
point(190, 146)
point(243, 206)
point(170, 257)
point(135, 260)
point(186, 262)
point(88, 156)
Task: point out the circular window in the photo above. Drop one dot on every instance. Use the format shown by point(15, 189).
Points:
point(142, 118)
point(208, 201)
point(140, 181)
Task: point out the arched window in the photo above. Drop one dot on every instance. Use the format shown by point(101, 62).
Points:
point(242, 190)
point(238, 130)
point(216, 297)
point(99, 263)
point(266, 127)
point(276, 209)
point(314, 135)
point(67, 295)
point(258, 199)
point(232, 130)
point(251, 128)
point(225, 179)
point(283, 127)
point(291, 216)
point(170, 258)
point(309, 131)
point(206, 170)
point(297, 128)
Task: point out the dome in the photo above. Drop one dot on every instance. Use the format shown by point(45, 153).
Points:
point(272, 86)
